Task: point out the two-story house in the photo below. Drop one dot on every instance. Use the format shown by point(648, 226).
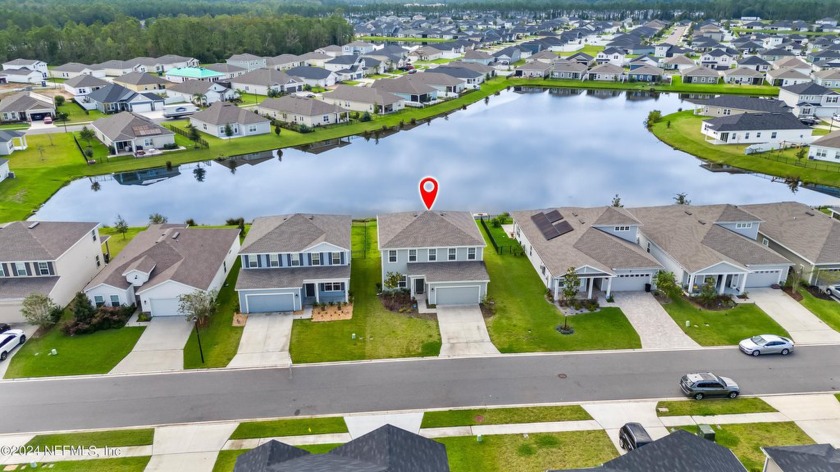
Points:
point(811, 99)
point(55, 259)
point(717, 59)
point(162, 263)
point(439, 255)
point(290, 261)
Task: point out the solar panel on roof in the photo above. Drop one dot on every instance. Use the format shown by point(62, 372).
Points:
point(562, 228)
point(554, 216)
point(145, 130)
point(541, 221)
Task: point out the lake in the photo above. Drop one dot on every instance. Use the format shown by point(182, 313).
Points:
point(520, 150)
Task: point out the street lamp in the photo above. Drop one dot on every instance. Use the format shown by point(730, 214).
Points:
point(198, 336)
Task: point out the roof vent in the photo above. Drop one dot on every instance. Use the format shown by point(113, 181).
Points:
point(176, 234)
point(161, 238)
point(702, 222)
point(809, 213)
point(688, 212)
point(311, 217)
point(34, 224)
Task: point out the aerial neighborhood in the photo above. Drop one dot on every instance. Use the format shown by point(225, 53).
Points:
point(421, 336)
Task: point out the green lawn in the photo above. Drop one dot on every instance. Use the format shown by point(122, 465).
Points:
point(540, 414)
point(122, 464)
point(725, 327)
point(587, 49)
point(95, 353)
point(684, 134)
point(15, 126)
point(675, 86)
point(724, 406)
point(526, 322)
point(379, 333)
point(227, 458)
point(117, 241)
point(219, 339)
point(77, 114)
point(290, 427)
point(535, 453)
point(745, 440)
point(826, 310)
point(100, 151)
point(117, 438)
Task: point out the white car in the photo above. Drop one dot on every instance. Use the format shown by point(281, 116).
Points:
point(766, 344)
point(10, 340)
point(833, 290)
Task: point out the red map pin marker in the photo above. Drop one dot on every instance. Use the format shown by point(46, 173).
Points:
point(429, 191)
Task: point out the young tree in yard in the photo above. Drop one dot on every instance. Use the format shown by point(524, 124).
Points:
point(37, 309)
point(157, 219)
point(198, 306)
point(801, 153)
point(192, 133)
point(708, 293)
point(571, 283)
point(87, 134)
point(277, 130)
point(392, 281)
point(59, 100)
point(121, 226)
point(228, 130)
point(667, 283)
point(82, 308)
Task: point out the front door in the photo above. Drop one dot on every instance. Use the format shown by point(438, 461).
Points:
point(724, 137)
point(419, 285)
point(310, 290)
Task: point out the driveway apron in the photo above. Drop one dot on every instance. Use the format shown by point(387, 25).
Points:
point(463, 332)
point(265, 342)
point(804, 327)
point(160, 348)
point(656, 328)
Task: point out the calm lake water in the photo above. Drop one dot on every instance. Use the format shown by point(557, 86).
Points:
point(521, 150)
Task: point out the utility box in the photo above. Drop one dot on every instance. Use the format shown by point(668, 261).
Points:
point(706, 432)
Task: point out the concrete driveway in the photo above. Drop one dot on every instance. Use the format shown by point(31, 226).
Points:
point(612, 416)
point(159, 349)
point(28, 330)
point(804, 327)
point(265, 341)
point(463, 332)
point(656, 328)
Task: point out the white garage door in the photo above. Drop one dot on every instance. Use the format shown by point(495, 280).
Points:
point(457, 295)
point(270, 303)
point(165, 307)
point(629, 282)
point(763, 278)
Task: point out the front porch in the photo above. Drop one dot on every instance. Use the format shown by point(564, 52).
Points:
point(321, 292)
point(726, 283)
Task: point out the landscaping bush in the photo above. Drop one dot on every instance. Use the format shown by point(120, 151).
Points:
point(169, 146)
point(83, 310)
point(398, 301)
point(106, 318)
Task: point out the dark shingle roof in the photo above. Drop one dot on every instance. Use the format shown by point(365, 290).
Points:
point(44, 241)
point(295, 233)
point(809, 88)
point(757, 122)
point(809, 458)
point(769, 105)
point(428, 229)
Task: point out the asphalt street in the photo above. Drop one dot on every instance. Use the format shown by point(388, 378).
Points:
point(139, 400)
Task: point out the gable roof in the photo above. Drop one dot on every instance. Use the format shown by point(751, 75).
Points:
point(308, 72)
point(296, 232)
point(192, 258)
point(757, 121)
point(85, 81)
point(7, 135)
point(809, 88)
point(223, 113)
point(127, 125)
point(700, 71)
point(44, 241)
point(300, 106)
point(403, 84)
point(141, 78)
point(809, 233)
point(112, 93)
point(265, 77)
point(362, 94)
point(193, 87)
point(71, 67)
point(428, 229)
point(23, 101)
point(740, 102)
point(223, 68)
point(806, 458)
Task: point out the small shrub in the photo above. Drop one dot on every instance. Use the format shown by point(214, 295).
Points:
point(170, 146)
point(365, 117)
point(106, 317)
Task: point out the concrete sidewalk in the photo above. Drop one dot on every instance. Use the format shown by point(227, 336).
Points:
point(463, 332)
point(804, 327)
point(188, 448)
point(265, 342)
point(656, 328)
point(160, 347)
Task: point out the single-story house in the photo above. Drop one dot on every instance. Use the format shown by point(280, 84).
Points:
point(725, 105)
point(128, 132)
point(786, 76)
point(826, 148)
point(425, 53)
point(226, 120)
point(201, 92)
point(51, 258)
point(115, 67)
point(142, 82)
point(228, 71)
point(75, 69)
point(413, 92)
point(808, 238)
point(180, 74)
point(314, 76)
point(26, 106)
point(599, 243)
point(479, 57)
point(291, 261)
point(677, 62)
point(473, 78)
point(710, 244)
point(247, 61)
point(536, 69)
point(284, 61)
point(446, 85)
point(364, 99)
point(313, 59)
point(23, 75)
point(439, 255)
point(743, 76)
point(699, 75)
point(305, 111)
point(162, 263)
point(828, 78)
point(115, 98)
point(606, 72)
point(81, 85)
point(754, 128)
point(10, 141)
point(645, 74)
point(568, 70)
point(4, 165)
point(792, 63)
point(261, 81)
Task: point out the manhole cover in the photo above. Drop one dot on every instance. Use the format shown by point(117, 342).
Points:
point(561, 376)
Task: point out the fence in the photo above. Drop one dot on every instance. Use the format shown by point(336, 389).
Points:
point(198, 142)
point(82, 151)
point(513, 249)
point(805, 162)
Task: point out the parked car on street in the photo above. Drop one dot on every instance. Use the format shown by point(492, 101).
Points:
point(633, 436)
point(833, 290)
point(766, 344)
point(707, 384)
point(10, 340)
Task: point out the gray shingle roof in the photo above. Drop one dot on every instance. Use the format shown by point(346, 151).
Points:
point(192, 259)
point(739, 102)
point(809, 233)
point(71, 67)
point(459, 271)
point(223, 68)
point(141, 78)
point(403, 84)
point(295, 233)
point(127, 125)
point(806, 458)
point(15, 288)
point(809, 88)
point(700, 71)
point(308, 72)
point(223, 113)
point(23, 101)
point(829, 140)
point(264, 77)
point(112, 93)
point(288, 277)
point(7, 135)
point(362, 94)
point(757, 121)
point(86, 81)
point(46, 241)
point(300, 106)
point(428, 229)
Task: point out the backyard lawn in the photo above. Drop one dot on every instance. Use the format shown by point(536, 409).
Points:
point(724, 327)
point(77, 114)
point(714, 406)
point(590, 49)
point(525, 321)
point(538, 414)
point(534, 453)
point(378, 332)
point(219, 339)
point(745, 440)
point(117, 242)
point(290, 427)
point(118, 438)
point(826, 310)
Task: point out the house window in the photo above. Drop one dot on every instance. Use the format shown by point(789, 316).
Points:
point(453, 254)
point(622, 228)
point(432, 255)
point(148, 142)
point(333, 287)
point(403, 283)
point(316, 258)
point(326, 118)
point(392, 256)
point(743, 225)
point(747, 136)
point(93, 235)
point(43, 268)
point(115, 300)
point(765, 241)
point(726, 111)
point(758, 134)
point(98, 262)
point(251, 261)
point(412, 255)
point(773, 135)
point(20, 268)
point(204, 126)
point(99, 300)
point(471, 254)
point(336, 258)
point(295, 259)
point(274, 260)
point(252, 128)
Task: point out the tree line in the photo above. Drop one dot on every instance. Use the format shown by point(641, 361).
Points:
point(207, 38)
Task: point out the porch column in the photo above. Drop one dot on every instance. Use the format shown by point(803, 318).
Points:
point(690, 283)
point(317, 291)
point(609, 286)
point(589, 282)
point(555, 285)
point(743, 282)
point(347, 291)
point(722, 287)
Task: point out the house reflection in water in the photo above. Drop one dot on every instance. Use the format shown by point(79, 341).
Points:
point(147, 176)
point(329, 144)
point(249, 159)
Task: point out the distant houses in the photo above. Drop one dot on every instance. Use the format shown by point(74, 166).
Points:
point(226, 120)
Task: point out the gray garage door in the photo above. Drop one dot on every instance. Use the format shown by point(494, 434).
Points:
point(763, 278)
point(629, 282)
point(270, 303)
point(457, 295)
point(165, 307)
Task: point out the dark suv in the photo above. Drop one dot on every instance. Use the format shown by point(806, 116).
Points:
point(633, 436)
point(4, 327)
point(706, 384)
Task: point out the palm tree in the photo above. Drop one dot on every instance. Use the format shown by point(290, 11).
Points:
point(199, 99)
point(241, 92)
